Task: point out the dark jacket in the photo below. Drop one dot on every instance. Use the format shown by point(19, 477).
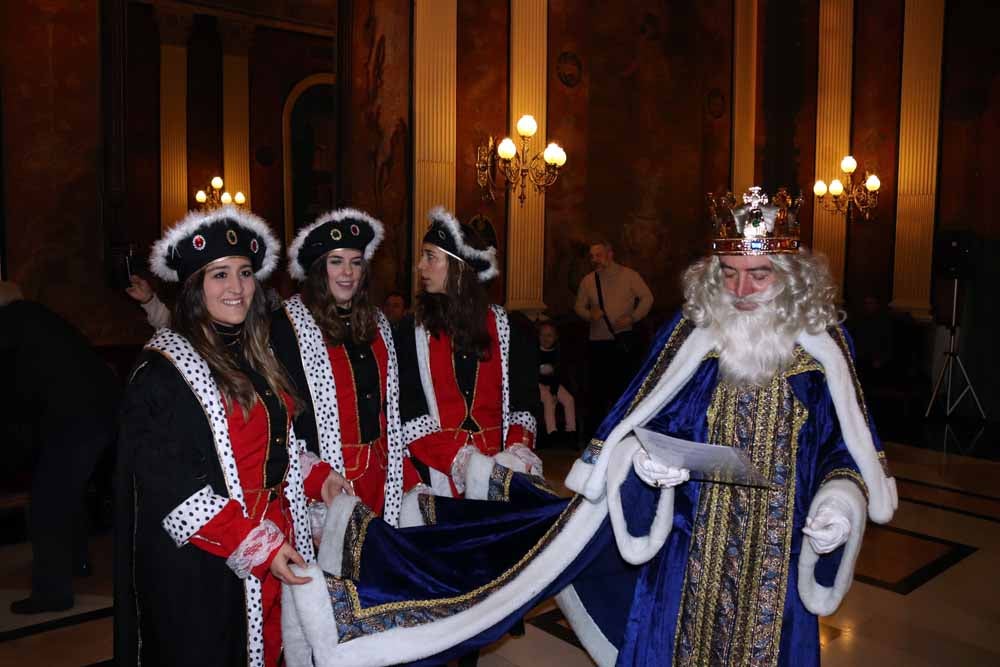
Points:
point(185, 604)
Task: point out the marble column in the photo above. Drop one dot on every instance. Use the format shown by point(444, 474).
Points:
point(526, 225)
point(833, 124)
point(236, 39)
point(175, 30)
point(434, 80)
point(744, 93)
point(919, 129)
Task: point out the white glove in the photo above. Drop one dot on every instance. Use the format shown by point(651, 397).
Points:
point(830, 526)
point(520, 459)
point(655, 474)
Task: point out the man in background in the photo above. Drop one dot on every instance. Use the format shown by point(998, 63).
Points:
point(612, 298)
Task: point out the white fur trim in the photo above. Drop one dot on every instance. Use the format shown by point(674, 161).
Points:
point(818, 599)
point(440, 483)
point(409, 511)
point(191, 515)
point(320, 380)
point(599, 647)
point(882, 498)
point(295, 268)
point(331, 547)
point(307, 619)
point(418, 427)
point(195, 219)
point(397, 444)
point(477, 476)
point(502, 323)
point(466, 252)
point(636, 550)
point(424, 366)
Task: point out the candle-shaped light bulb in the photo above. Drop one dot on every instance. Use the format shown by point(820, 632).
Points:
point(819, 189)
point(873, 184)
point(836, 187)
point(551, 154)
point(526, 126)
point(507, 150)
point(226, 198)
point(217, 183)
point(560, 156)
point(240, 198)
point(200, 197)
point(848, 164)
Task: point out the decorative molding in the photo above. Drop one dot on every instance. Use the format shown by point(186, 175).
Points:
point(435, 46)
point(526, 226)
point(237, 14)
point(323, 79)
point(919, 130)
point(236, 39)
point(175, 30)
point(744, 93)
point(833, 122)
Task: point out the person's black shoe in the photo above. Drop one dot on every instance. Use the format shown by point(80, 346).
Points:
point(518, 629)
point(34, 605)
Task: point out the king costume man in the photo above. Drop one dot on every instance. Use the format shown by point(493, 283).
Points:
point(649, 567)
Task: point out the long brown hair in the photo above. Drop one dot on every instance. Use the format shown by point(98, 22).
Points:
point(323, 307)
point(192, 320)
point(460, 311)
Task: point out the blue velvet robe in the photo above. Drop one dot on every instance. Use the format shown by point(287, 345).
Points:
point(401, 578)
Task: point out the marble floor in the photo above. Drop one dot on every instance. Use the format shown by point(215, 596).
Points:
point(926, 588)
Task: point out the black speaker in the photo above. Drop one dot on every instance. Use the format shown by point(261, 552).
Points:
point(952, 254)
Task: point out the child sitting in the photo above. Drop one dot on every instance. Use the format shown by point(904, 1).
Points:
point(549, 380)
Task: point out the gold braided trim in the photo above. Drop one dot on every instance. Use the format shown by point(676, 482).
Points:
point(847, 473)
point(360, 613)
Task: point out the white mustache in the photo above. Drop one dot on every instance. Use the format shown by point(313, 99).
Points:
point(765, 296)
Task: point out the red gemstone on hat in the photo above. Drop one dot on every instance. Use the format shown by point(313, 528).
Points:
point(253, 245)
point(355, 230)
point(198, 242)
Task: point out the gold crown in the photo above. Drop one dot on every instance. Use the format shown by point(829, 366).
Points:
point(759, 227)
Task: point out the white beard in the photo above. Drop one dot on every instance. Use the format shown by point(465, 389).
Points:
point(752, 346)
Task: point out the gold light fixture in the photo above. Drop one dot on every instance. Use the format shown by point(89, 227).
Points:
point(517, 168)
point(215, 196)
point(861, 195)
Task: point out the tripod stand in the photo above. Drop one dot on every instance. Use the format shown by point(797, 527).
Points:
point(952, 358)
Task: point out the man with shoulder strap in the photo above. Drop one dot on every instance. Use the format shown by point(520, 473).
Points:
point(612, 298)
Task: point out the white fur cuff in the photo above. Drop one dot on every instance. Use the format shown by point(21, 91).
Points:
point(823, 600)
point(331, 546)
point(477, 476)
point(409, 509)
point(255, 548)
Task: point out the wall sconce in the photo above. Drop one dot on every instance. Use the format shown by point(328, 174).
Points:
point(216, 196)
point(863, 195)
point(541, 169)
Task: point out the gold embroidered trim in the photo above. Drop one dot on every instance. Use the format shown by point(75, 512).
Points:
point(736, 578)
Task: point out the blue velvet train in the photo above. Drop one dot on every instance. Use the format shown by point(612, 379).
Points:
point(720, 587)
